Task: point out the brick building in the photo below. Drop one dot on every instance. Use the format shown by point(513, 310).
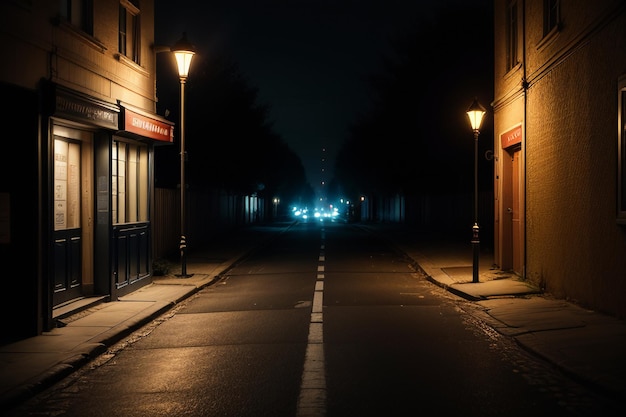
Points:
point(559, 130)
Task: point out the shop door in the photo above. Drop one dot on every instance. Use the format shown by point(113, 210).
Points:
point(516, 225)
point(69, 228)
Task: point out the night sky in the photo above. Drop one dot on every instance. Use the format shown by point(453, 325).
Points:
point(310, 59)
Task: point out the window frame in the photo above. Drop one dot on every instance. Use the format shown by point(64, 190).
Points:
point(78, 13)
point(512, 35)
point(129, 182)
point(129, 30)
point(67, 183)
point(551, 16)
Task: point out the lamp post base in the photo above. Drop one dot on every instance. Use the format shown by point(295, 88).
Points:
point(476, 249)
point(183, 258)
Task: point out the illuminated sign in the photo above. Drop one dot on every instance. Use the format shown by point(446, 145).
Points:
point(147, 126)
point(511, 137)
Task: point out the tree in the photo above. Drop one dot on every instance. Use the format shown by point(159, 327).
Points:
point(416, 139)
point(229, 139)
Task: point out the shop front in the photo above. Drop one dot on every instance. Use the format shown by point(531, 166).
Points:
point(100, 185)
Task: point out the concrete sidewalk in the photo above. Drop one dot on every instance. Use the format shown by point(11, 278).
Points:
point(29, 366)
point(586, 345)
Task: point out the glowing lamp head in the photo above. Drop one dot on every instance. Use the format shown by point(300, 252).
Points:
point(184, 52)
point(475, 113)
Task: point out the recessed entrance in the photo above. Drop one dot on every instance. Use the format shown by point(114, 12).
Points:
point(73, 257)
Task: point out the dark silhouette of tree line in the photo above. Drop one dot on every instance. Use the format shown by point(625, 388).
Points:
point(229, 139)
point(415, 139)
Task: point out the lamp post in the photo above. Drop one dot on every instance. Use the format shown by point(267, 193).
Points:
point(184, 52)
point(275, 211)
point(475, 112)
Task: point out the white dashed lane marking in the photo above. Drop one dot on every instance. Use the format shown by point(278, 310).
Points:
point(312, 399)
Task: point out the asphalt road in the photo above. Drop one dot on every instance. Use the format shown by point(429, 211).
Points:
point(327, 320)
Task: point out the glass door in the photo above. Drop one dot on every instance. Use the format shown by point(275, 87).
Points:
point(72, 202)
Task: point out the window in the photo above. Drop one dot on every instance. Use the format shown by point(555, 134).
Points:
point(512, 58)
point(129, 183)
point(550, 16)
point(79, 13)
point(66, 184)
point(129, 30)
point(621, 151)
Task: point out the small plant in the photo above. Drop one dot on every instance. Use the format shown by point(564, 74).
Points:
point(160, 267)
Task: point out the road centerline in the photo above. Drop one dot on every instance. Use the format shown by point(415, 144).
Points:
point(312, 398)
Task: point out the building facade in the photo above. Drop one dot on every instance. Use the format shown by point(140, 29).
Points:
point(76, 193)
point(559, 130)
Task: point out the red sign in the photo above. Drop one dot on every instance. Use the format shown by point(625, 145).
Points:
point(147, 126)
point(511, 137)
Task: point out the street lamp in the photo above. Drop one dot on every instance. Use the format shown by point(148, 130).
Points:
point(184, 52)
point(475, 114)
point(275, 212)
